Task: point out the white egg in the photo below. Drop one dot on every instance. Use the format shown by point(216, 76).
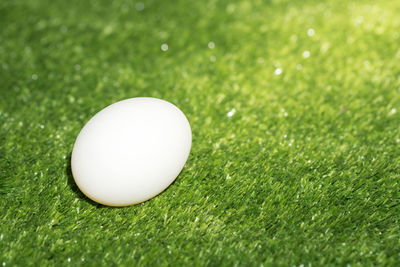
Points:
point(131, 151)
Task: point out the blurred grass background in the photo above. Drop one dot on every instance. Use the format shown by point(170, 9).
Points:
point(294, 108)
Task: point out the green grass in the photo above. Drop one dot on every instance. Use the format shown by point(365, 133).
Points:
point(305, 172)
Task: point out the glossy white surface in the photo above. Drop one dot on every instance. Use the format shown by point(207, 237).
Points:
point(131, 151)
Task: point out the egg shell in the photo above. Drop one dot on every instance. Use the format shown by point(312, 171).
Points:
point(131, 151)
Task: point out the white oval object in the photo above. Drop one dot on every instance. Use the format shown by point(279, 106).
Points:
point(131, 151)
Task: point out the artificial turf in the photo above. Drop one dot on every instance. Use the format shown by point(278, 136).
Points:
point(294, 108)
